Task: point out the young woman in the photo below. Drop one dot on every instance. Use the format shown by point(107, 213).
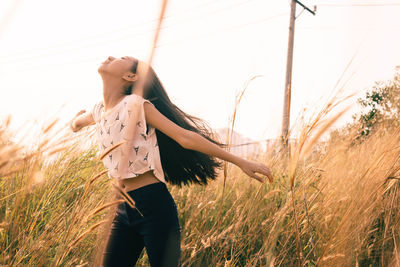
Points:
point(161, 144)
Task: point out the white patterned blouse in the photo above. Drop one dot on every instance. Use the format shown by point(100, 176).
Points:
point(110, 129)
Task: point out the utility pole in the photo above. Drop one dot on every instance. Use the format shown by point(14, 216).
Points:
point(289, 64)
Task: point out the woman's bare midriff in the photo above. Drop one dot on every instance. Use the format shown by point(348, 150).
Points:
point(138, 181)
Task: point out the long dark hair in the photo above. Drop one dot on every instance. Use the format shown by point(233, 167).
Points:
point(180, 165)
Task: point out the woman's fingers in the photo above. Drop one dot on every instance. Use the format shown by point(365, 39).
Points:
point(251, 172)
point(266, 171)
point(251, 167)
point(269, 175)
point(259, 178)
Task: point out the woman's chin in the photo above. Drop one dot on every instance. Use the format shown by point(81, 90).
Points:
point(101, 68)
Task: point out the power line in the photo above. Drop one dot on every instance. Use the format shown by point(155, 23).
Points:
point(360, 5)
point(271, 140)
point(146, 22)
point(227, 29)
point(122, 29)
point(195, 37)
point(344, 28)
point(68, 49)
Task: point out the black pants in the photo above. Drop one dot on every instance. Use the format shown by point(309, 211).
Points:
point(158, 230)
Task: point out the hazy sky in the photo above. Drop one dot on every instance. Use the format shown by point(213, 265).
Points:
point(208, 49)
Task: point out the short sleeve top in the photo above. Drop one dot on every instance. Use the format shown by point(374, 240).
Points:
point(111, 128)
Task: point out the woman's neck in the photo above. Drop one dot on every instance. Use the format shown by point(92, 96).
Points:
point(112, 94)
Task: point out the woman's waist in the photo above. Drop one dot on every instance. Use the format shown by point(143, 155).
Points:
point(132, 183)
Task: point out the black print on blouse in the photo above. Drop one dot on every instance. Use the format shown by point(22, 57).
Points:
point(139, 124)
point(136, 149)
point(116, 167)
point(117, 118)
point(101, 132)
point(110, 156)
point(150, 167)
point(104, 147)
point(144, 136)
point(112, 142)
point(108, 131)
point(122, 127)
point(105, 120)
point(156, 144)
point(130, 163)
point(145, 157)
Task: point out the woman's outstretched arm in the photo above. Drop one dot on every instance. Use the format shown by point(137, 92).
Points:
point(194, 141)
point(81, 120)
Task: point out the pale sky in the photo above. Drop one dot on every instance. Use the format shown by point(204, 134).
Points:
point(50, 51)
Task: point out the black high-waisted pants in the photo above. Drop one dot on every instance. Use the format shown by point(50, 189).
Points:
point(159, 230)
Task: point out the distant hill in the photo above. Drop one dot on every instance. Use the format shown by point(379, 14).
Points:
point(241, 145)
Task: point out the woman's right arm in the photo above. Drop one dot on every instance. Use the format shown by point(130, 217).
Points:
point(191, 140)
point(81, 119)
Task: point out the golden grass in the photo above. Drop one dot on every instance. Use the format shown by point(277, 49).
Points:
point(336, 204)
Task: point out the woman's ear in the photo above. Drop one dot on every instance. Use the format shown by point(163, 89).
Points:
point(130, 77)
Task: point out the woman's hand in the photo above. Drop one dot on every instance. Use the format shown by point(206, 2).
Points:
point(251, 167)
point(72, 125)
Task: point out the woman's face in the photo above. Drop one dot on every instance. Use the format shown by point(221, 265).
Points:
point(116, 67)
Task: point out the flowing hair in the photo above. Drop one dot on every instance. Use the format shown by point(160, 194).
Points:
point(180, 165)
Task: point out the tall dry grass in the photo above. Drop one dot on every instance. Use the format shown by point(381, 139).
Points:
point(335, 203)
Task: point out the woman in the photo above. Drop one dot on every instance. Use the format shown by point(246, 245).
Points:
point(161, 144)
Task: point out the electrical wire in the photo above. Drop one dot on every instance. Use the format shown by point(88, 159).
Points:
point(122, 29)
point(228, 29)
point(194, 37)
point(344, 28)
point(360, 5)
point(136, 34)
point(129, 27)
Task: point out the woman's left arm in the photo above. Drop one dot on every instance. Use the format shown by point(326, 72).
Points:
point(194, 141)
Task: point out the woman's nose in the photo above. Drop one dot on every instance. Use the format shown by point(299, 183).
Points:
point(111, 58)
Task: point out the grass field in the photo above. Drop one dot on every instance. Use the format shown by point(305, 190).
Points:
point(335, 203)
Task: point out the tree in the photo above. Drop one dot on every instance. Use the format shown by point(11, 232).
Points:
point(382, 106)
